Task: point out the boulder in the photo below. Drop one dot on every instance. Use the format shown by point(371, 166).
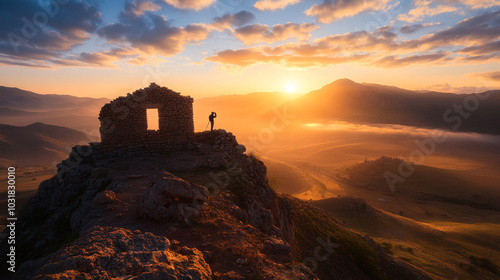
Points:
point(109, 252)
point(172, 198)
point(274, 245)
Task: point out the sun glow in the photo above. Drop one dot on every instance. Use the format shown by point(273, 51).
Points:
point(290, 87)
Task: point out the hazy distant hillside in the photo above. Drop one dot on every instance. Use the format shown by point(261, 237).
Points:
point(38, 143)
point(26, 100)
point(349, 101)
point(235, 110)
point(20, 107)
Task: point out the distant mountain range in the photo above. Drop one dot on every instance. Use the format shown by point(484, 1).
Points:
point(342, 100)
point(38, 143)
point(345, 100)
point(21, 107)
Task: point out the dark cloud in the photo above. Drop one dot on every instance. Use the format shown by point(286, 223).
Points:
point(480, 29)
point(76, 19)
point(491, 47)
point(397, 61)
point(480, 58)
point(412, 28)
point(7, 60)
point(232, 20)
point(33, 29)
point(330, 11)
point(152, 33)
point(258, 33)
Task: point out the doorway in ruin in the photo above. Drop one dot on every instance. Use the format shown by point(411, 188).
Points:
point(153, 119)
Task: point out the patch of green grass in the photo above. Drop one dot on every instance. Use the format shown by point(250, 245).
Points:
point(310, 224)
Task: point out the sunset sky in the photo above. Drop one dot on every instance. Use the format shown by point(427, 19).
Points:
point(206, 47)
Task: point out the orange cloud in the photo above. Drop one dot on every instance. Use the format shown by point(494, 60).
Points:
point(427, 8)
point(473, 4)
point(251, 56)
point(274, 4)
point(380, 48)
point(330, 11)
point(190, 4)
point(423, 11)
point(448, 88)
point(140, 7)
point(99, 59)
point(491, 76)
point(257, 33)
point(394, 61)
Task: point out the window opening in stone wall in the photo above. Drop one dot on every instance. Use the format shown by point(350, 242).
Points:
point(153, 119)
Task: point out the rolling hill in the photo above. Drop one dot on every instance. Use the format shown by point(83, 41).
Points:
point(342, 100)
point(21, 107)
point(346, 100)
point(38, 143)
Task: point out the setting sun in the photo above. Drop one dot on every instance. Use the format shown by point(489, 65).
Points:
point(290, 87)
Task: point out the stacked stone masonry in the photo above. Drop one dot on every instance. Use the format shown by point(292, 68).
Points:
point(124, 121)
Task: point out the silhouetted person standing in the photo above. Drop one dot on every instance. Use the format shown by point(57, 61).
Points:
point(211, 119)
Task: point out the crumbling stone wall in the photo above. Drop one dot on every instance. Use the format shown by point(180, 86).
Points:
point(124, 121)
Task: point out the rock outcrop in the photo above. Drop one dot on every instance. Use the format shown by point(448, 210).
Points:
point(202, 212)
point(171, 198)
point(109, 252)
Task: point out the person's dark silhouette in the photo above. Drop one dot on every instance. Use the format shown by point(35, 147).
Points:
point(211, 119)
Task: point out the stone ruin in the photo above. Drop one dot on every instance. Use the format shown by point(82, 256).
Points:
point(124, 123)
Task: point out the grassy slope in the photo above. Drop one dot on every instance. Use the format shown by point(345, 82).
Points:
point(441, 247)
point(312, 224)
